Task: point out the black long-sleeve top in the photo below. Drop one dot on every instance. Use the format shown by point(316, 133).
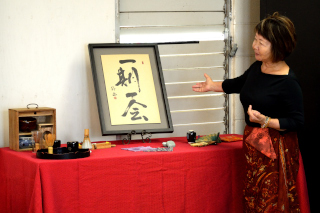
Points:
point(276, 96)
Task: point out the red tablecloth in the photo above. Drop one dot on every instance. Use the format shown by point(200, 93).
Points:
point(189, 179)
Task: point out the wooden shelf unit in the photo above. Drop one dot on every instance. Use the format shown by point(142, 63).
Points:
point(45, 116)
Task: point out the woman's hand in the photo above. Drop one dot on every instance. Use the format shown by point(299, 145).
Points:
point(255, 116)
point(207, 86)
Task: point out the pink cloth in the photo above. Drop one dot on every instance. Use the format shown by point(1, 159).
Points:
point(260, 139)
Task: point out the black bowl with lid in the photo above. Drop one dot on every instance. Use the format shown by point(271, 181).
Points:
point(27, 124)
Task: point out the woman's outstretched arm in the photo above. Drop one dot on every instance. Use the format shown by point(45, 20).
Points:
point(208, 85)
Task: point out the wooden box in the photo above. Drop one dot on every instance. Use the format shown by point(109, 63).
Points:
point(46, 118)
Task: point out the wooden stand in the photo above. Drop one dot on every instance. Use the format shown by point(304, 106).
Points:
point(46, 118)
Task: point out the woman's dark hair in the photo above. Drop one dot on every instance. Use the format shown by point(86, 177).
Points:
point(280, 32)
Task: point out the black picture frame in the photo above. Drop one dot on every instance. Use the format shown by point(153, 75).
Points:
point(95, 53)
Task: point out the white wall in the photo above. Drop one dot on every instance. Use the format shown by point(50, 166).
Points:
point(246, 15)
point(44, 60)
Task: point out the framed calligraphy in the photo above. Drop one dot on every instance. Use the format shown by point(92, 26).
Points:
point(130, 90)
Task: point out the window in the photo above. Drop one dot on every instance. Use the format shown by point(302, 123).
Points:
point(193, 39)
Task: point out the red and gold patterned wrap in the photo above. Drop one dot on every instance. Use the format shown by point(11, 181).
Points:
point(270, 183)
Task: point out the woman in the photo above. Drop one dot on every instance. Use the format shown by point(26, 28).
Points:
point(272, 101)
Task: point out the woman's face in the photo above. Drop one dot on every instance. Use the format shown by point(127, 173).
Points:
point(262, 49)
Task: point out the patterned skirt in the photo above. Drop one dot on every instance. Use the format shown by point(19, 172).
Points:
point(270, 184)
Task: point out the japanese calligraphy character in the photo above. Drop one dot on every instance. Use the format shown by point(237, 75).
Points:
point(122, 77)
point(131, 103)
point(135, 115)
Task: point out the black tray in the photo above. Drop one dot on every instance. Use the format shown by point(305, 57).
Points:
point(63, 153)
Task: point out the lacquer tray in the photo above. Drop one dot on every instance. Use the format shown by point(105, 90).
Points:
point(63, 153)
